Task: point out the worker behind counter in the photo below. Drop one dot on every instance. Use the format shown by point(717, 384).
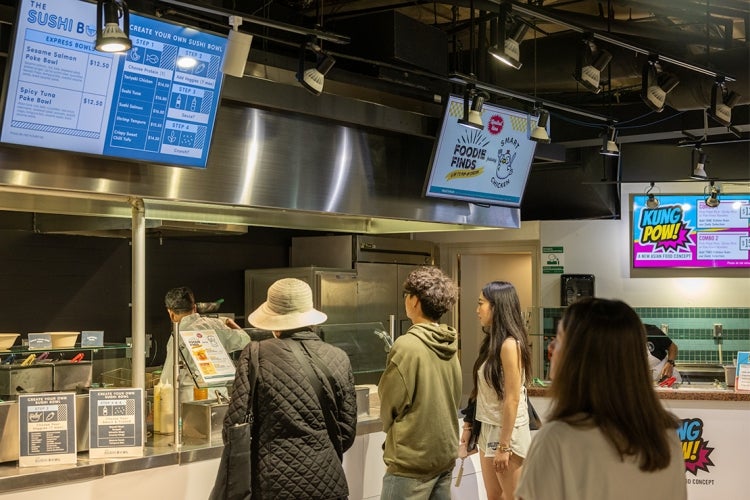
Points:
point(180, 303)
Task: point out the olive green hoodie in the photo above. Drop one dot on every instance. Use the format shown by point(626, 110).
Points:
point(420, 391)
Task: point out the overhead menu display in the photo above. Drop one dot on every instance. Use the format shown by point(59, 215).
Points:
point(489, 166)
point(63, 94)
point(683, 231)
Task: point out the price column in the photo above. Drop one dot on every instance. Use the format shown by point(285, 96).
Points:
point(94, 93)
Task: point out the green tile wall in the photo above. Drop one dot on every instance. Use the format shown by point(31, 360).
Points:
point(691, 328)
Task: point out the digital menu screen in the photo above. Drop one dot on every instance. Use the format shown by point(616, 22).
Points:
point(685, 232)
point(489, 166)
point(61, 93)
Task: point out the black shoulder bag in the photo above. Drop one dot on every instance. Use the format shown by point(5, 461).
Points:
point(233, 479)
point(325, 404)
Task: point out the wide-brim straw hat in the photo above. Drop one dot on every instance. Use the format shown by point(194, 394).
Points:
point(288, 306)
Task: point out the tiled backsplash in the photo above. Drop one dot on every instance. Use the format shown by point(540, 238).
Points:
point(691, 328)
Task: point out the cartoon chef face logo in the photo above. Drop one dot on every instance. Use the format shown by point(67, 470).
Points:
point(504, 164)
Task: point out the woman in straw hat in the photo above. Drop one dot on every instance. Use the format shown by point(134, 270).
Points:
point(301, 426)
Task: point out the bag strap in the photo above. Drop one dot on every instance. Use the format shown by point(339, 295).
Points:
point(305, 362)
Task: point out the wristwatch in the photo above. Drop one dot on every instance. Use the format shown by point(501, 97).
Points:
point(670, 361)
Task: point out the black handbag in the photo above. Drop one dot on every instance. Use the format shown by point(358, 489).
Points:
point(476, 426)
point(535, 422)
point(234, 477)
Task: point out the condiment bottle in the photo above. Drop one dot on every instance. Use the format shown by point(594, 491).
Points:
point(167, 408)
point(157, 408)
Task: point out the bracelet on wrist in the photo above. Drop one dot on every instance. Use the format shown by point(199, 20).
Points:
point(670, 361)
point(504, 448)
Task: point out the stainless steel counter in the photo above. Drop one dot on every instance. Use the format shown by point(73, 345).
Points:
point(158, 452)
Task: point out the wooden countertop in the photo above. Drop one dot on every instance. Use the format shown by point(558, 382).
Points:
point(696, 391)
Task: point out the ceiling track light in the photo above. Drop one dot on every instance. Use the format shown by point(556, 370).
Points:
point(722, 102)
point(539, 132)
point(713, 191)
point(698, 166)
point(590, 62)
point(238, 48)
point(507, 48)
point(652, 201)
point(111, 37)
point(609, 144)
point(473, 104)
point(656, 84)
point(313, 79)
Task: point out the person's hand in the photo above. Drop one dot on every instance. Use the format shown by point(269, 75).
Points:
point(666, 371)
point(501, 461)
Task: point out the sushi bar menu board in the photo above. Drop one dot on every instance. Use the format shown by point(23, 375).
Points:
point(139, 105)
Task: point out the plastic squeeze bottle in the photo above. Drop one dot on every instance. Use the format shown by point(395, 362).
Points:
point(166, 397)
point(157, 408)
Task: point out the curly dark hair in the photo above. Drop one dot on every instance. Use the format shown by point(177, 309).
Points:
point(437, 293)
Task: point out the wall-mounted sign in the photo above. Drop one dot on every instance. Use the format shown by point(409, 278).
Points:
point(63, 94)
point(206, 358)
point(47, 429)
point(116, 423)
point(553, 261)
point(684, 232)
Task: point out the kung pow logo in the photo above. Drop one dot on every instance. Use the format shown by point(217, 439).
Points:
point(695, 449)
point(665, 228)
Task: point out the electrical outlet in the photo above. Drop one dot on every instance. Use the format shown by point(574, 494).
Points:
point(718, 330)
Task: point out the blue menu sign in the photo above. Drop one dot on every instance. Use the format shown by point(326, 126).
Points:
point(47, 424)
point(63, 94)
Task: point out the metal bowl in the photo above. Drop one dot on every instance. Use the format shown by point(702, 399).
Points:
point(207, 307)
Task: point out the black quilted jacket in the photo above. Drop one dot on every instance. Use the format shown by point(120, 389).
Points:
point(293, 456)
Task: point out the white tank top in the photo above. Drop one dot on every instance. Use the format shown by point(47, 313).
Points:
point(490, 406)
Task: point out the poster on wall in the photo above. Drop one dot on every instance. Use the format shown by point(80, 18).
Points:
point(63, 94)
point(685, 232)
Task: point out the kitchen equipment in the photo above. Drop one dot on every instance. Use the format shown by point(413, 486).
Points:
point(71, 376)
point(208, 307)
point(15, 379)
point(363, 400)
point(202, 421)
point(7, 340)
point(574, 287)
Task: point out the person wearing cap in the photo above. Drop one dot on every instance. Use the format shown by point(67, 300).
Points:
point(662, 353)
point(296, 451)
point(420, 391)
point(180, 304)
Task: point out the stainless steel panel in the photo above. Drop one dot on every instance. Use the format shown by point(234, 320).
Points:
point(16, 379)
point(202, 421)
point(336, 294)
point(68, 376)
point(257, 282)
point(332, 170)
point(380, 290)
point(342, 251)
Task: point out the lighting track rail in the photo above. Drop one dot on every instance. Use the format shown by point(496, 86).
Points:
point(539, 14)
point(289, 28)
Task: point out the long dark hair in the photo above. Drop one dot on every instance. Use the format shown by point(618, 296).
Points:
point(507, 321)
point(602, 379)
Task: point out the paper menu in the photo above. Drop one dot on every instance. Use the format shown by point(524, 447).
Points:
point(742, 376)
point(206, 357)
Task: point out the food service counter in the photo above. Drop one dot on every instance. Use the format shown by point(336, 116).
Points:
point(713, 430)
point(159, 452)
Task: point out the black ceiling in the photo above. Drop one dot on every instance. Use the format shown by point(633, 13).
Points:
point(410, 54)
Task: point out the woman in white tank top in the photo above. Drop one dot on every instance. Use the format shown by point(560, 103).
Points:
point(500, 374)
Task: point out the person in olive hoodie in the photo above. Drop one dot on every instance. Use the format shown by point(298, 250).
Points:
point(420, 391)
